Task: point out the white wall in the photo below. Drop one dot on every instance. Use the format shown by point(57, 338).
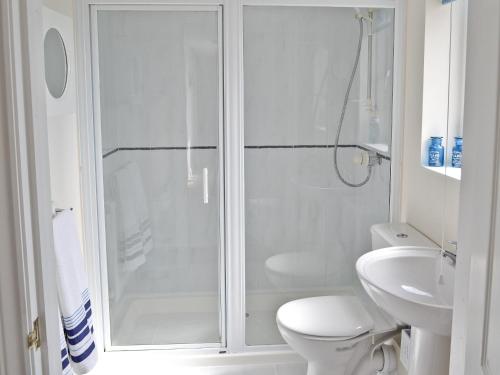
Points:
point(429, 200)
point(64, 7)
point(61, 117)
point(12, 335)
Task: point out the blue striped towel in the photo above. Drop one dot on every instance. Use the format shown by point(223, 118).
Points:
point(74, 299)
point(66, 368)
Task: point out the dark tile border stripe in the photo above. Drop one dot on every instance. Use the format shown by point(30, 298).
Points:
point(111, 152)
point(385, 157)
point(251, 147)
point(299, 146)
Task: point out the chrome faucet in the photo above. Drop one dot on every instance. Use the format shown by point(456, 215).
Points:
point(452, 256)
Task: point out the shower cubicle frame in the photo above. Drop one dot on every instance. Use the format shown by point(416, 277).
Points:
point(98, 154)
point(231, 151)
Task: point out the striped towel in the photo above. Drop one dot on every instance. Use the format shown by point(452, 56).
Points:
point(130, 241)
point(116, 276)
point(74, 299)
point(66, 368)
point(135, 235)
point(141, 206)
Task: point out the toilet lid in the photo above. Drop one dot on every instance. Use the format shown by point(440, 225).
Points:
point(328, 316)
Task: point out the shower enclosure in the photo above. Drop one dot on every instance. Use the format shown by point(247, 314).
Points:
point(209, 181)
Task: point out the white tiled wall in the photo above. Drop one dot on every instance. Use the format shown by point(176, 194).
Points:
point(185, 229)
point(376, 114)
point(159, 88)
point(295, 203)
point(297, 63)
point(159, 78)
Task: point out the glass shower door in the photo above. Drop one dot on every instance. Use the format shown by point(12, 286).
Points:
point(304, 229)
point(157, 108)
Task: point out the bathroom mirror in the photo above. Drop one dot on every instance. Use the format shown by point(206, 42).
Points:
point(432, 192)
point(56, 63)
point(444, 78)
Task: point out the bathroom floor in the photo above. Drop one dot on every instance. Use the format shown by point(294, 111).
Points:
point(274, 369)
point(106, 367)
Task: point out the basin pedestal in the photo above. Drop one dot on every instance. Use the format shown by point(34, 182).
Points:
point(430, 353)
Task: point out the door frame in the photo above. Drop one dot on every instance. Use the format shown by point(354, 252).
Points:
point(478, 241)
point(25, 114)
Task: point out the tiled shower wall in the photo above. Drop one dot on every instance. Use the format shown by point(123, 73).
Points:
point(297, 62)
point(159, 97)
point(294, 190)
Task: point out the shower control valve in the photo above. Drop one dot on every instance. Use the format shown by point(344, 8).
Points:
point(374, 159)
point(369, 158)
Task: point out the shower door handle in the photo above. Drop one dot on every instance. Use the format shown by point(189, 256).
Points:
point(205, 185)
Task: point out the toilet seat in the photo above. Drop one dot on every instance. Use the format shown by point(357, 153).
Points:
point(326, 317)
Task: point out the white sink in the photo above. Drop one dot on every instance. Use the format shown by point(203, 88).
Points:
point(412, 284)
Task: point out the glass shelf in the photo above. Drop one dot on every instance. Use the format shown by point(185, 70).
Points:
point(380, 148)
point(455, 173)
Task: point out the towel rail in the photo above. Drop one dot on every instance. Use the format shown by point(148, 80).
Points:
point(59, 210)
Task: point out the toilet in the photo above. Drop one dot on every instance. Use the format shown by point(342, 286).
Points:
point(344, 334)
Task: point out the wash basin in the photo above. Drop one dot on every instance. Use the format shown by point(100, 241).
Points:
point(412, 284)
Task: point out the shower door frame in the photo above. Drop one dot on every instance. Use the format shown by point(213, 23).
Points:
point(231, 150)
point(396, 156)
point(99, 274)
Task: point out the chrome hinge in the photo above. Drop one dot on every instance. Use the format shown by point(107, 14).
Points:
point(34, 336)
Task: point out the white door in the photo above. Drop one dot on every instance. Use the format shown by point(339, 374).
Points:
point(476, 321)
point(28, 259)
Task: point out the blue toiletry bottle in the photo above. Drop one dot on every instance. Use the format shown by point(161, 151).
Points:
point(456, 154)
point(436, 152)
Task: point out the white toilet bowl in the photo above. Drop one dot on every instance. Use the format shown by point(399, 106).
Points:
point(335, 333)
point(331, 332)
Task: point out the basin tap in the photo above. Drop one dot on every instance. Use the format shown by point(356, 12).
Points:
point(449, 254)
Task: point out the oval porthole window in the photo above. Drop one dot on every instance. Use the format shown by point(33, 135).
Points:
point(56, 63)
